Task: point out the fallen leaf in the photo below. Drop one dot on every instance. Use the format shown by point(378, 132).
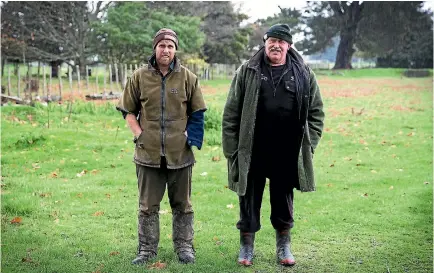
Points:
point(56, 221)
point(426, 183)
point(204, 174)
point(35, 166)
point(400, 170)
point(373, 171)
point(230, 206)
point(83, 172)
point(108, 195)
point(94, 171)
point(216, 158)
point(157, 265)
point(113, 166)
point(45, 194)
point(329, 185)
point(164, 211)
point(391, 188)
point(17, 220)
point(53, 175)
point(27, 260)
point(114, 253)
point(332, 165)
point(365, 195)
point(80, 195)
point(411, 134)
point(98, 213)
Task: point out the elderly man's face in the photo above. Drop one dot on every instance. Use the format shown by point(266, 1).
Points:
point(276, 50)
point(165, 52)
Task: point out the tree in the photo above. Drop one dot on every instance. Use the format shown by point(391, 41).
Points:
point(374, 27)
point(127, 33)
point(53, 32)
point(225, 40)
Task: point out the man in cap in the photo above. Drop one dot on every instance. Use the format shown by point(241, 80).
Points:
point(272, 123)
point(164, 109)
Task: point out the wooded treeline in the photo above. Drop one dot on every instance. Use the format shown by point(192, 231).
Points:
point(397, 34)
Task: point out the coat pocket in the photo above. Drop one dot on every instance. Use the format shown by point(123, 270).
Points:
point(233, 168)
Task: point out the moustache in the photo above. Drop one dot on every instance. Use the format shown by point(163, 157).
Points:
point(276, 49)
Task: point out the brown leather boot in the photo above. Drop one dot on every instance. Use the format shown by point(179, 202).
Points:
point(183, 233)
point(283, 248)
point(149, 236)
point(247, 241)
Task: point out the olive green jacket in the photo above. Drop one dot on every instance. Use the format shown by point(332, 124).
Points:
point(163, 105)
point(239, 123)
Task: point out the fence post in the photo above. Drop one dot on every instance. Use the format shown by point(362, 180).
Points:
point(117, 75)
point(135, 66)
point(78, 78)
point(9, 81)
point(59, 75)
point(50, 85)
point(19, 82)
point(110, 77)
point(87, 78)
point(96, 79)
point(44, 86)
point(105, 80)
point(70, 81)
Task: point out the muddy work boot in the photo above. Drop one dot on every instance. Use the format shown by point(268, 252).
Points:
point(283, 248)
point(149, 236)
point(247, 241)
point(183, 233)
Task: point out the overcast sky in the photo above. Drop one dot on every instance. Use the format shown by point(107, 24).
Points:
point(257, 10)
point(261, 10)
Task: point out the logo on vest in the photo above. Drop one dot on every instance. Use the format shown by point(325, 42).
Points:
point(263, 78)
point(292, 78)
point(174, 90)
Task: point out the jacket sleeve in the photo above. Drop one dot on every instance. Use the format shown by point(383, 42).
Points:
point(129, 103)
point(196, 117)
point(232, 116)
point(315, 118)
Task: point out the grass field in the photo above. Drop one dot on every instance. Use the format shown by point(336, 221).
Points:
point(69, 193)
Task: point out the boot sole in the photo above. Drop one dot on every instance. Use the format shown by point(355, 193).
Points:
point(287, 262)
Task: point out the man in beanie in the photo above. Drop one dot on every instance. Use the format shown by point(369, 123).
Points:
point(272, 123)
point(164, 109)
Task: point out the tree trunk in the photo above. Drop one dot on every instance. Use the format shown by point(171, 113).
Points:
point(349, 17)
point(55, 68)
point(345, 51)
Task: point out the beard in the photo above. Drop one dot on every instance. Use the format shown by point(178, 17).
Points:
point(164, 60)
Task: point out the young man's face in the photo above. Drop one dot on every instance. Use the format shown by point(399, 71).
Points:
point(165, 52)
point(276, 50)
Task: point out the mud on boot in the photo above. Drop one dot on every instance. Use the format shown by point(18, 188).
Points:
point(183, 233)
point(283, 248)
point(149, 236)
point(247, 241)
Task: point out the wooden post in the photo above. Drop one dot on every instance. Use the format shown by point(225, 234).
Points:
point(135, 66)
point(9, 81)
point(105, 80)
point(70, 81)
point(19, 82)
point(97, 84)
point(44, 86)
point(59, 75)
point(78, 78)
point(50, 86)
point(117, 76)
point(87, 78)
point(125, 77)
point(110, 77)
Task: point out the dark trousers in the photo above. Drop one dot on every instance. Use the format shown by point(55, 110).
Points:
point(152, 185)
point(281, 201)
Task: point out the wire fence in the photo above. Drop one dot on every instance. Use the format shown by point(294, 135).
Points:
point(41, 81)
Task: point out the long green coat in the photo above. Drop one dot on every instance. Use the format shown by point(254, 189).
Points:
point(239, 123)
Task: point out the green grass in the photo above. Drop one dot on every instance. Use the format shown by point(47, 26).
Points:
point(366, 73)
point(73, 185)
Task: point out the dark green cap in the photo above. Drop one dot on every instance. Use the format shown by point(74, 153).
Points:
point(279, 31)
